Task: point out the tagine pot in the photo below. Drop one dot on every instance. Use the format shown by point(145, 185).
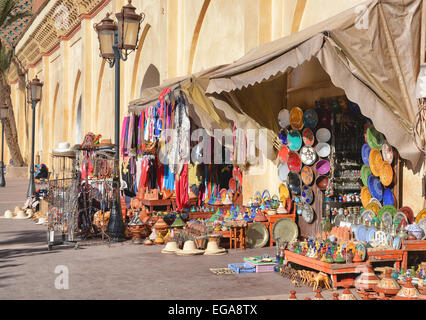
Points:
point(387, 286)
point(407, 292)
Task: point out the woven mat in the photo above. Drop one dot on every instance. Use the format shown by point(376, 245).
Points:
point(221, 271)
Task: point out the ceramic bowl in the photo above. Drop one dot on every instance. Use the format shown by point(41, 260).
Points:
point(323, 167)
point(323, 150)
point(323, 135)
point(284, 118)
point(322, 182)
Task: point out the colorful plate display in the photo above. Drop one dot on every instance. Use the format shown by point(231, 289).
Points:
point(307, 195)
point(400, 220)
point(284, 192)
point(375, 187)
point(365, 152)
point(310, 118)
point(367, 216)
point(323, 135)
point(373, 207)
point(388, 198)
point(284, 118)
point(362, 251)
point(283, 153)
point(308, 213)
point(408, 213)
point(420, 215)
point(296, 118)
point(365, 173)
point(396, 243)
point(294, 182)
point(294, 140)
point(308, 137)
point(322, 182)
point(387, 152)
point(374, 138)
point(308, 155)
point(386, 174)
point(387, 219)
point(294, 162)
point(386, 209)
point(307, 175)
point(371, 234)
point(380, 237)
point(323, 167)
point(375, 161)
point(365, 196)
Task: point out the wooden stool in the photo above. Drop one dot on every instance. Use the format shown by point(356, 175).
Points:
point(238, 238)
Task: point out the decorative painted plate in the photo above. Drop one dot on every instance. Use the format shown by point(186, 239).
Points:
point(374, 200)
point(408, 213)
point(323, 150)
point(266, 195)
point(387, 152)
point(284, 192)
point(257, 235)
point(294, 140)
point(375, 161)
point(375, 187)
point(296, 118)
point(371, 234)
point(365, 152)
point(284, 118)
point(283, 153)
point(285, 229)
point(400, 220)
point(283, 136)
point(283, 172)
point(422, 224)
point(374, 138)
point(294, 162)
point(387, 219)
point(293, 181)
point(308, 137)
point(323, 135)
point(386, 174)
point(367, 215)
point(362, 251)
point(308, 213)
point(339, 218)
point(323, 167)
point(365, 196)
point(421, 215)
point(388, 198)
point(307, 195)
point(373, 207)
point(365, 173)
point(310, 118)
point(308, 155)
point(380, 237)
point(389, 241)
point(307, 175)
point(396, 243)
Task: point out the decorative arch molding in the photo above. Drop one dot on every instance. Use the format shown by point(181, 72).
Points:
point(196, 34)
point(137, 58)
point(98, 93)
point(151, 79)
point(298, 15)
point(74, 99)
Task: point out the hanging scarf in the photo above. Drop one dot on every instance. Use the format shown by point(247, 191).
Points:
point(123, 135)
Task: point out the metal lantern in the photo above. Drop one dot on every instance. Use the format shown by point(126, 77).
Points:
point(421, 83)
point(106, 30)
point(128, 27)
point(35, 89)
point(3, 112)
point(28, 89)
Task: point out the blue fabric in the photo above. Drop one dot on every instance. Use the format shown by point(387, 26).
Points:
point(169, 178)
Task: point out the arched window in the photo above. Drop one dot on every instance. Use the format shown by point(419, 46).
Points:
point(151, 78)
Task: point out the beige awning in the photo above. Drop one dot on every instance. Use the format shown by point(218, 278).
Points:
point(374, 57)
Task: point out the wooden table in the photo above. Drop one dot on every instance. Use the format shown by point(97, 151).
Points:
point(333, 269)
point(191, 202)
point(157, 203)
point(200, 215)
point(271, 221)
point(409, 246)
point(386, 255)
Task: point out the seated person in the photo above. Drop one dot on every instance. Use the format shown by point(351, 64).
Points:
point(41, 172)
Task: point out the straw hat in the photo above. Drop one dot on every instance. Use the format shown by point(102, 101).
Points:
point(41, 221)
point(214, 250)
point(171, 247)
point(17, 209)
point(22, 215)
point(189, 249)
point(7, 215)
point(63, 147)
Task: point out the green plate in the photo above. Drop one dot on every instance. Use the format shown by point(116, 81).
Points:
point(365, 173)
point(375, 139)
point(257, 235)
point(285, 229)
point(388, 208)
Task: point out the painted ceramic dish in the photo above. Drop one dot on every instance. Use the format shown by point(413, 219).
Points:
point(408, 213)
point(375, 161)
point(284, 118)
point(367, 216)
point(338, 219)
point(257, 235)
point(284, 192)
point(387, 152)
point(283, 172)
point(386, 209)
point(307, 195)
point(285, 229)
point(307, 175)
point(294, 182)
point(375, 187)
point(294, 140)
point(308, 155)
point(365, 196)
point(400, 220)
point(322, 182)
point(323, 149)
point(283, 136)
point(422, 224)
point(388, 198)
point(308, 137)
point(323, 135)
point(373, 207)
point(362, 251)
point(387, 219)
point(283, 153)
point(296, 118)
point(310, 118)
point(374, 138)
point(294, 162)
point(374, 200)
point(323, 167)
point(421, 215)
point(389, 241)
point(371, 234)
point(396, 243)
point(308, 213)
point(360, 233)
point(365, 153)
point(266, 195)
point(380, 238)
point(386, 174)
point(365, 173)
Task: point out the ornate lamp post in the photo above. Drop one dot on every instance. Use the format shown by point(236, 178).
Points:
point(34, 89)
point(3, 115)
point(116, 41)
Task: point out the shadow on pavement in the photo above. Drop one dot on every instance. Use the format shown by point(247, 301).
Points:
point(17, 253)
point(25, 237)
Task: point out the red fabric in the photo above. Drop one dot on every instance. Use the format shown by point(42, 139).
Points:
point(123, 207)
point(182, 193)
point(144, 178)
point(160, 174)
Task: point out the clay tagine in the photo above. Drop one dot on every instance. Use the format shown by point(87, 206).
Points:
point(318, 296)
point(161, 226)
point(356, 258)
point(335, 296)
point(292, 295)
point(347, 294)
point(260, 217)
point(388, 286)
point(178, 223)
point(407, 292)
point(136, 227)
point(368, 279)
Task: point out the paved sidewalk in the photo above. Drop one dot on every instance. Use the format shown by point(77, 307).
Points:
point(120, 271)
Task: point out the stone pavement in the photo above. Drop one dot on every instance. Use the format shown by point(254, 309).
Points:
point(120, 271)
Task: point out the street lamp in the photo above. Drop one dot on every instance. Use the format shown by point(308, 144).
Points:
point(3, 116)
point(34, 89)
point(116, 41)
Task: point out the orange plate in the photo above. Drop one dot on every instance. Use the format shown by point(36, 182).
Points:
point(365, 196)
point(386, 174)
point(376, 161)
point(296, 118)
point(307, 175)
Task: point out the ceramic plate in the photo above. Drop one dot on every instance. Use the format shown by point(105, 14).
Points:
point(294, 182)
point(308, 213)
point(365, 173)
point(283, 172)
point(257, 235)
point(308, 155)
point(380, 237)
point(375, 187)
point(386, 174)
point(340, 217)
point(323, 135)
point(371, 234)
point(408, 213)
point(323, 167)
point(284, 118)
point(294, 162)
point(422, 224)
point(294, 140)
point(374, 200)
point(284, 192)
point(367, 215)
point(421, 215)
point(396, 243)
point(374, 138)
point(307, 176)
point(307, 195)
point(310, 118)
point(283, 153)
point(389, 241)
point(283, 136)
point(376, 161)
point(388, 198)
point(308, 137)
point(266, 195)
point(387, 152)
point(323, 149)
point(362, 251)
point(365, 196)
point(285, 229)
point(365, 151)
point(389, 209)
point(387, 219)
point(400, 219)
point(296, 118)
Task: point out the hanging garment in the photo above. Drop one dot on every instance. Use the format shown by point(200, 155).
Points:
point(128, 177)
point(160, 174)
point(141, 140)
point(130, 134)
point(135, 136)
point(182, 194)
point(143, 178)
point(169, 179)
point(123, 135)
